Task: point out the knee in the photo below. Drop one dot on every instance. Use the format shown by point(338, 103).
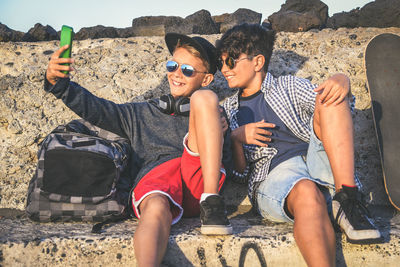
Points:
point(203, 98)
point(306, 194)
point(156, 205)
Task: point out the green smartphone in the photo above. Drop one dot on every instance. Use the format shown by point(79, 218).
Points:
point(67, 35)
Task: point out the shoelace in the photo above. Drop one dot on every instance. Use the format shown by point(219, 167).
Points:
point(356, 209)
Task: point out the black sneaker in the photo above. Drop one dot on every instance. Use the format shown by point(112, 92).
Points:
point(213, 217)
point(352, 216)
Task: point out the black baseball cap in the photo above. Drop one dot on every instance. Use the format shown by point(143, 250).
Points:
point(206, 49)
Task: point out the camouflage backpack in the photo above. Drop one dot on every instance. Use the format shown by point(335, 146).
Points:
point(82, 175)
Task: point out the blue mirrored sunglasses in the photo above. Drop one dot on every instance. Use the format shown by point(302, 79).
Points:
point(187, 70)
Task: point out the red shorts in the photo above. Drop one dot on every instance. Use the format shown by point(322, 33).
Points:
point(181, 180)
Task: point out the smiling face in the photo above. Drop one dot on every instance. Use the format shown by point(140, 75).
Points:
point(181, 85)
point(243, 75)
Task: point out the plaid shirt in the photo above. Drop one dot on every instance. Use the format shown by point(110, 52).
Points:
point(293, 100)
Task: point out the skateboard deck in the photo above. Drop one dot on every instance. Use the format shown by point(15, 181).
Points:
point(382, 66)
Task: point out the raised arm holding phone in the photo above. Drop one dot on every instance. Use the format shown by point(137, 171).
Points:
point(179, 154)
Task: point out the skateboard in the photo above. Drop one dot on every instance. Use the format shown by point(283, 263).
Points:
point(382, 66)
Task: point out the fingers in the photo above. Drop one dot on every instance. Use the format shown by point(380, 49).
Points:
point(320, 88)
point(257, 134)
point(60, 74)
point(59, 51)
point(54, 72)
point(258, 143)
point(253, 133)
point(335, 94)
point(61, 67)
point(332, 98)
point(261, 137)
point(260, 140)
point(263, 124)
point(223, 120)
point(56, 66)
point(53, 75)
point(224, 124)
point(263, 132)
point(62, 60)
point(324, 93)
point(224, 128)
point(340, 99)
point(333, 90)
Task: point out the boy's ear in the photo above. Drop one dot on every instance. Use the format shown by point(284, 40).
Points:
point(259, 62)
point(208, 78)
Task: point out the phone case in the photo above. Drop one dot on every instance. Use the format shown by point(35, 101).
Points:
point(67, 35)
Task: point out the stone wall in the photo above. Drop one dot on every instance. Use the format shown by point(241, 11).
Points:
point(132, 69)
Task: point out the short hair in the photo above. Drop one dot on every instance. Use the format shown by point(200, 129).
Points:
point(250, 39)
point(192, 50)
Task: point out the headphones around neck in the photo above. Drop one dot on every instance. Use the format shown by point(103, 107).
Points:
point(169, 105)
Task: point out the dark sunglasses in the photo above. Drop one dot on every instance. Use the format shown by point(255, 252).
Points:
point(230, 62)
point(187, 70)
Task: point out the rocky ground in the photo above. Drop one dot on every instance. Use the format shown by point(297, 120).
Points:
point(132, 69)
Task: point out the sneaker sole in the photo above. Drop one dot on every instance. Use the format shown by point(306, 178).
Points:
point(365, 241)
point(216, 230)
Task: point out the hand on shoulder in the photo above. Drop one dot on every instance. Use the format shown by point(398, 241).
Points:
point(334, 90)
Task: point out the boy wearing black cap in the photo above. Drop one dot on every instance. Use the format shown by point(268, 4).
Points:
point(177, 153)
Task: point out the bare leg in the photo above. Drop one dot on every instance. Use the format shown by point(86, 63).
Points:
point(151, 235)
point(205, 136)
point(333, 125)
point(313, 230)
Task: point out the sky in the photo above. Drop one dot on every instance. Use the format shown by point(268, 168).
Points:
point(22, 15)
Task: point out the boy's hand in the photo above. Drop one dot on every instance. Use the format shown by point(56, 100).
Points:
point(334, 90)
point(224, 123)
point(54, 68)
point(253, 133)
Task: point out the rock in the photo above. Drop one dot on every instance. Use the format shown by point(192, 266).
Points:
point(154, 25)
point(125, 32)
point(266, 24)
point(219, 19)
point(178, 25)
point(14, 127)
point(353, 36)
point(299, 16)
point(40, 33)
point(7, 34)
point(200, 22)
point(381, 14)
point(242, 15)
point(96, 32)
point(7, 82)
point(344, 19)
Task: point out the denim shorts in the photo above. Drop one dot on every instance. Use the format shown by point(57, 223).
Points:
point(272, 192)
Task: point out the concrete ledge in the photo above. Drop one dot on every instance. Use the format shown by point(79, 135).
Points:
point(24, 243)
